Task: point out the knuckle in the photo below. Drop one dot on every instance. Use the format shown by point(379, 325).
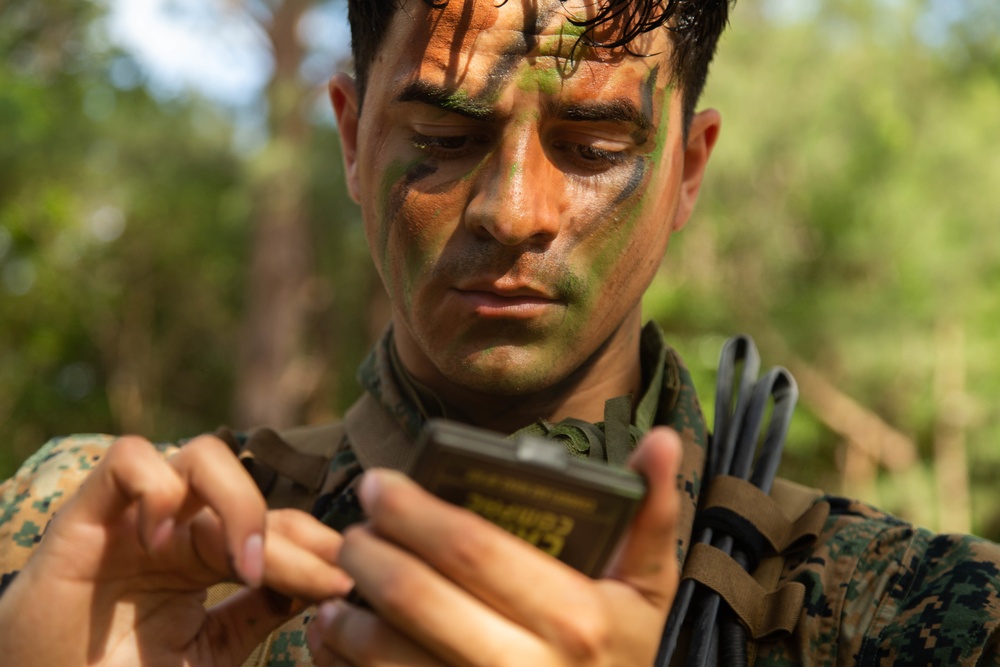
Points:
point(398, 590)
point(369, 638)
point(293, 524)
point(352, 543)
point(585, 637)
point(127, 445)
point(206, 446)
point(136, 459)
point(283, 521)
point(468, 544)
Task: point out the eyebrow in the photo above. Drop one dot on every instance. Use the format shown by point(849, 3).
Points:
point(614, 111)
point(459, 102)
point(453, 101)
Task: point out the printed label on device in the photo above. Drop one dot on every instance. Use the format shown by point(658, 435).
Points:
point(570, 508)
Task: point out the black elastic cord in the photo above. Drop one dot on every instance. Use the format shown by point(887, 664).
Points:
point(739, 354)
point(732, 451)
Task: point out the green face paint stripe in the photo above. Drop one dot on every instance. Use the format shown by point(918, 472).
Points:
point(416, 256)
point(475, 171)
point(513, 171)
point(461, 102)
point(565, 43)
point(646, 168)
point(399, 177)
point(545, 80)
point(572, 287)
point(660, 140)
point(393, 173)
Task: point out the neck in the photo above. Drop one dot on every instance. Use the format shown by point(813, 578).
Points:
point(612, 370)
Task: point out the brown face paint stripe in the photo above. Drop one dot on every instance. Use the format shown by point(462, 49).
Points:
point(500, 73)
point(635, 179)
point(399, 192)
point(648, 91)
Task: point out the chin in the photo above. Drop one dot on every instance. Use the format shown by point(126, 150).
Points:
point(504, 374)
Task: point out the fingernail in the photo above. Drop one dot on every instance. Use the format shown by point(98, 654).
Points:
point(326, 615)
point(370, 487)
point(161, 534)
point(252, 563)
point(313, 639)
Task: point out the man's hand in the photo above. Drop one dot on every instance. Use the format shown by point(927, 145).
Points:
point(450, 588)
point(121, 573)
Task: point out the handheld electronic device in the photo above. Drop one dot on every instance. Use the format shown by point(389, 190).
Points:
point(571, 508)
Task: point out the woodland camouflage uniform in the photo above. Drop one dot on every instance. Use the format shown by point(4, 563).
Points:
point(878, 591)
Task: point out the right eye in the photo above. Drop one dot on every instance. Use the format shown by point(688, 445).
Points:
point(448, 147)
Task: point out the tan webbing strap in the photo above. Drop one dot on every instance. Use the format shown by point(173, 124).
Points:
point(768, 516)
point(788, 519)
point(766, 614)
point(271, 449)
point(376, 437)
point(795, 499)
point(322, 440)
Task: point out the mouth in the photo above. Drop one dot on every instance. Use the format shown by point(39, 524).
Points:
point(507, 300)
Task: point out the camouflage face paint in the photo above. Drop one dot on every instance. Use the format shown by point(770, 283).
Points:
point(518, 236)
point(397, 183)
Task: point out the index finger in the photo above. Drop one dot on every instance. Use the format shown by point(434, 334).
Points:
point(476, 554)
point(215, 476)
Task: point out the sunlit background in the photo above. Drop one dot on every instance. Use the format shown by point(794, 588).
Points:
point(177, 250)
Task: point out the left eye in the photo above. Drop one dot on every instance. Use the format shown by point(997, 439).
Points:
point(591, 157)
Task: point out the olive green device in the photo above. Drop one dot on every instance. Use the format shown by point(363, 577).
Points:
point(571, 508)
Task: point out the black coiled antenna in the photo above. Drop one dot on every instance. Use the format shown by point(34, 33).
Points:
point(742, 403)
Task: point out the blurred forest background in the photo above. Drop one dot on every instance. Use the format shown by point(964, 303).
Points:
point(170, 261)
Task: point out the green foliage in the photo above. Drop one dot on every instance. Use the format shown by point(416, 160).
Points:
point(848, 216)
point(847, 220)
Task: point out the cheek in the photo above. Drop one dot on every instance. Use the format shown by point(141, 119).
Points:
point(628, 240)
point(416, 222)
point(618, 221)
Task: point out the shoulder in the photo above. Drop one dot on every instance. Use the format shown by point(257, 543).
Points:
point(30, 498)
point(880, 590)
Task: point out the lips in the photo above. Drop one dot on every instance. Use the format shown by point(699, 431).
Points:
point(505, 299)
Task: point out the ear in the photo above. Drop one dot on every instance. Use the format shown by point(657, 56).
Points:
point(344, 97)
point(702, 135)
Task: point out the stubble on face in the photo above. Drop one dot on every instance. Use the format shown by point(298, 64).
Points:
point(475, 60)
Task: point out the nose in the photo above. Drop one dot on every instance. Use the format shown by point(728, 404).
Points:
point(516, 195)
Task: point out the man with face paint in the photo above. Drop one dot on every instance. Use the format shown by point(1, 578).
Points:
point(520, 168)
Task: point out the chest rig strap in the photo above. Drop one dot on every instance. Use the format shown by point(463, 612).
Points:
point(767, 528)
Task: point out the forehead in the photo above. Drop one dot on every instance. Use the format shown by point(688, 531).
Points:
point(477, 44)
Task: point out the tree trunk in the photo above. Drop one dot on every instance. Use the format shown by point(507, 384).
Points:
point(271, 386)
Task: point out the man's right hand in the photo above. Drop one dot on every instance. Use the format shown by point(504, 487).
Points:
point(448, 588)
point(121, 573)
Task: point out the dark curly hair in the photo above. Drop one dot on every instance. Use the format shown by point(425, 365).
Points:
point(694, 25)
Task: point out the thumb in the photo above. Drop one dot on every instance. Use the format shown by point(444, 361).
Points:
point(647, 558)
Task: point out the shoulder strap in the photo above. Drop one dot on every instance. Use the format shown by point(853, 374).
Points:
point(290, 466)
point(376, 436)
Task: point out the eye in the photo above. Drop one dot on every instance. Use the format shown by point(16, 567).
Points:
point(448, 147)
point(590, 157)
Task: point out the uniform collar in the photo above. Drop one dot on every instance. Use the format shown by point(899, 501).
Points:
point(669, 399)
